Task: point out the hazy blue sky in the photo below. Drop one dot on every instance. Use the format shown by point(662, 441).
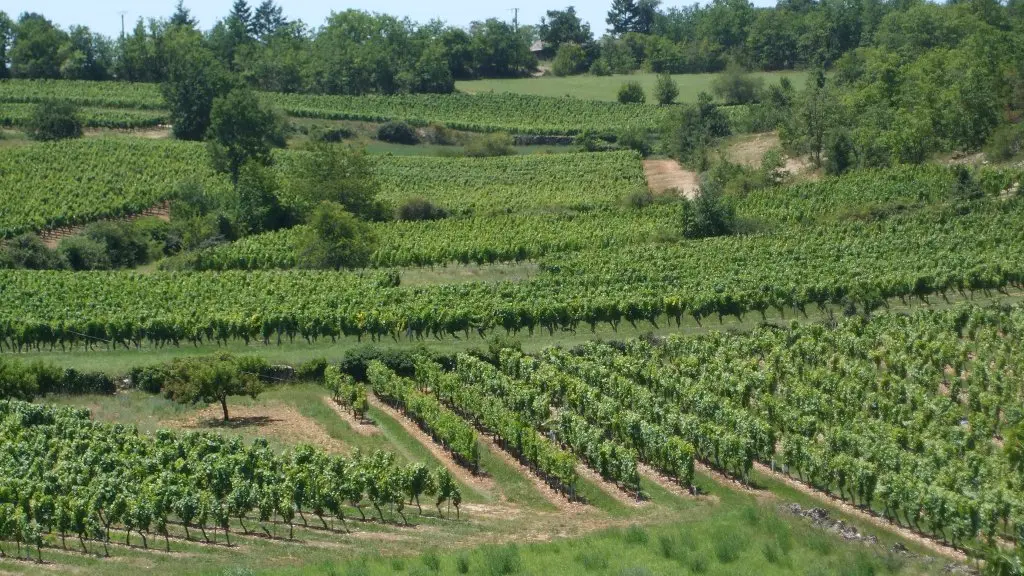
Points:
point(103, 15)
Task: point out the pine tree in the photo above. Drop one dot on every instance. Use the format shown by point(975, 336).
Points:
point(269, 18)
point(241, 12)
point(183, 16)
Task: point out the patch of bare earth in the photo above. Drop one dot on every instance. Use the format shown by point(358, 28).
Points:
point(865, 516)
point(275, 419)
point(463, 475)
point(749, 152)
point(361, 427)
point(665, 175)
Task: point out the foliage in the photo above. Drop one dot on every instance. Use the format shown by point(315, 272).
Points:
point(1006, 143)
point(839, 154)
point(570, 60)
point(736, 86)
point(54, 121)
point(194, 80)
point(636, 139)
point(16, 381)
point(666, 90)
point(212, 379)
point(242, 130)
point(490, 145)
point(84, 253)
point(28, 251)
point(335, 239)
point(334, 173)
point(416, 209)
point(398, 133)
point(259, 209)
point(632, 93)
point(690, 131)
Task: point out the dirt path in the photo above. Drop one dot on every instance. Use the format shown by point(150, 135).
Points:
point(750, 151)
point(51, 238)
point(665, 175)
point(275, 420)
point(481, 483)
point(357, 426)
point(860, 514)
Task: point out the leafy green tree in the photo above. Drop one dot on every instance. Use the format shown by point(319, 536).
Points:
point(242, 130)
point(35, 52)
point(28, 251)
point(54, 120)
point(1014, 448)
point(259, 209)
point(666, 90)
point(564, 27)
point(840, 154)
point(737, 86)
point(632, 16)
point(336, 239)
point(336, 173)
point(6, 37)
point(208, 380)
point(194, 80)
point(632, 93)
point(84, 253)
point(268, 19)
point(499, 51)
point(815, 114)
point(570, 60)
point(709, 214)
point(16, 382)
point(690, 132)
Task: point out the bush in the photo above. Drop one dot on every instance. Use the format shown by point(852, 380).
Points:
point(354, 362)
point(440, 134)
point(415, 209)
point(397, 133)
point(636, 138)
point(462, 564)
point(666, 91)
point(54, 120)
point(736, 86)
point(28, 251)
point(84, 253)
point(312, 369)
point(593, 560)
point(1005, 143)
point(487, 145)
point(571, 59)
point(150, 379)
point(691, 130)
point(839, 154)
point(632, 93)
point(640, 199)
point(708, 215)
point(125, 246)
point(600, 68)
point(259, 209)
point(16, 381)
point(336, 239)
point(431, 560)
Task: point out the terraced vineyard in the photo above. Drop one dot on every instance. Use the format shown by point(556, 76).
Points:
point(118, 118)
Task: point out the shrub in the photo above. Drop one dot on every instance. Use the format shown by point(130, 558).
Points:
point(84, 253)
point(336, 239)
point(354, 362)
point(666, 90)
point(635, 138)
point(16, 381)
point(54, 120)
point(28, 251)
point(487, 145)
point(149, 379)
point(708, 215)
point(632, 93)
point(640, 199)
point(736, 86)
point(698, 565)
point(691, 130)
point(397, 133)
point(1005, 143)
point(571, 59)
point(839, 154)
point(125, 247)
point(415, 209)
point(726, 551)
point(440, 134)
point(600, 68)
point(431, 560)
point(312, 369)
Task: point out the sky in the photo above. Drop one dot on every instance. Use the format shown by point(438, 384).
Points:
point(104, 15)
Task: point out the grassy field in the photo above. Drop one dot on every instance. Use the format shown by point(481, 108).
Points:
point(508, 526)
point(606, 87)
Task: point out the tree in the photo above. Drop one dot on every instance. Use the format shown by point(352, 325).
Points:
point(691, 130)
point(16, 382)
point(208, 380)
point(6, 36)
point(268, 20)
point(570, 60)
point(666, 89)
point(1014, 448)
point(340, 174)
point(815, 113)
point(632, 93)
point(54, 120)
point(632, 16)
point(840, 154)
point(241, 13)
point(562, 27)
point(182, 17)
point(35, 52)
point(242, 130)
point(259, 209)
point(708, 214)
point(499, 51)
point(736, 86)
point(336, 239)
point(194, 80)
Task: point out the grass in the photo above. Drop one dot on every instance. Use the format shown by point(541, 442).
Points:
point(606, 87)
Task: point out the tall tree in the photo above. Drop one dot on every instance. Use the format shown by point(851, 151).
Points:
point(268, 20)
point(242, 130)
point(6, 36)
point(632, 16)
point(564, 26)
point(194, 80)
point(241, 12)
point(183, 16)
point(36, 49)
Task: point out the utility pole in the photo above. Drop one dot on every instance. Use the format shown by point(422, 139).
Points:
point(515, 18)
point(122, 13)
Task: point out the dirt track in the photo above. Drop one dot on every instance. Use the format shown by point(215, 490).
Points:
point(665, 175)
